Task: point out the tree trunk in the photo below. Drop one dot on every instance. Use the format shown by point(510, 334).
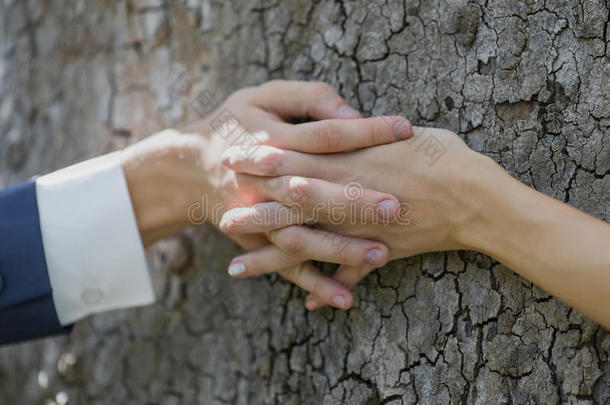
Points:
point(526, 82)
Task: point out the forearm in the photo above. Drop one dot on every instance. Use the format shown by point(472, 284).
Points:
point(557, 247)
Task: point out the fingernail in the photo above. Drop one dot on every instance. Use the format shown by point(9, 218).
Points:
point(236, 268)
point(386, 209)
point(345, 111)
point(374, 257)
point(224, 225)
point(403, 129)
point(339, 300)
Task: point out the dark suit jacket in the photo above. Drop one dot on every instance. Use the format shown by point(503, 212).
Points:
point(27, 310)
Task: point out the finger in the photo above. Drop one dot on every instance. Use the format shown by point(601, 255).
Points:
point(295, 244)
point(347, 275)
point(338, 135)
point(329, 247)
point(267, 259)
point(306, 276)
point(335, 201)
point(260, 218)
point(312, 280)
point(298, 99)
point(265, 160)
point(269, 161)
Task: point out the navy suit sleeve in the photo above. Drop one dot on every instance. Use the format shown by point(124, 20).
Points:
point(27, 310)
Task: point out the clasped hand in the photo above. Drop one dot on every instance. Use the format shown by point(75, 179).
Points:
point(335, 188)
point(389, 190)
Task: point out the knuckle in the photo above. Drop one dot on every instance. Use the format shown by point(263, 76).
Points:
point(318, 289)
point(328, 135)
point(345, 253)
point(269, 214)
point(345, 249)
point(258, 215)
point(292, 273)
point(300, 192)
point(269, 162)
point(377, 131)
point(342, 252)
point(292, 241)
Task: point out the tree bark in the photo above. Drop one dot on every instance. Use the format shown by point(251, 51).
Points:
point(524, 82)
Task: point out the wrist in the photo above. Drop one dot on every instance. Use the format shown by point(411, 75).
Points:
point(485, 189)
point(164, 178)
point(508, 216)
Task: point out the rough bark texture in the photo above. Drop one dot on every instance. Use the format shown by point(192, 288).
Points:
point(526, 82)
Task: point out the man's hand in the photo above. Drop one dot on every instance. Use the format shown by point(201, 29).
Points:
point(177, 178)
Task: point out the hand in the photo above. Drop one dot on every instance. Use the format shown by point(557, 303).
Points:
point(462, 200)
point(176, 178)
point(439, 190)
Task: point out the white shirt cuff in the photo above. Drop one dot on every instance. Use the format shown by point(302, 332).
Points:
point(95, 258)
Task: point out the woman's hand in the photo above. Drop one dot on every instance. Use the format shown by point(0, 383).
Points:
point(435, 176)
point(176, 178)
point(460, 199)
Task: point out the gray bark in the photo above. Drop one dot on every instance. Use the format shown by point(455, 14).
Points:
point(524, 82)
